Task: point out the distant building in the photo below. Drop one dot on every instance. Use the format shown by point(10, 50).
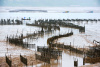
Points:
point(66, 12)
point(90, 12)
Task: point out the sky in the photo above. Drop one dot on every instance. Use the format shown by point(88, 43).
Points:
point(50, 3)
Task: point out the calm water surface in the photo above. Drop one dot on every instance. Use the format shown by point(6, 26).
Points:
point(67, 58)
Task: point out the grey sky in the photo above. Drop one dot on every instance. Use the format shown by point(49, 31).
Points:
point(50, 3)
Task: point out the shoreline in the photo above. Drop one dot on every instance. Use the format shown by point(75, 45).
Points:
point(14, 55)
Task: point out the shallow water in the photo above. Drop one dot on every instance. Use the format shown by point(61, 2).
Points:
point(67, 58)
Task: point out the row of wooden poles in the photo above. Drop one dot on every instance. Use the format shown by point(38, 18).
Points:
point(52, 45)
point(93, 53)
point(47, 53)
point(44, 55)
point(44, 25)
point(22, 59)
point(38, 33)
point(58, 23)
point(59, 20)
point(44, 52)
point(51, 52)
point(10, 22)
point(70, 47)
point(18, 41)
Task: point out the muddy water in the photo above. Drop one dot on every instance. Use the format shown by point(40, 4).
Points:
point(92, 31)
point(41, 41)
point(67, 57)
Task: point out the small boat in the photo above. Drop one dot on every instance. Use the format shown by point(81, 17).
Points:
point(26, 19)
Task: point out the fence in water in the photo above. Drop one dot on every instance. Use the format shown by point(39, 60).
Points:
point(92, 60)
point(50, 53)
point(75, 63)
point(92, 55)
point(69, 47)
point(10, 22)
point(59, 22)
point(94, 51)
point(23, 60)
point(45, 25)
point(47, 50)
point(50, 40)
point(67, 20)
point(42, 58)
point(8, 61)
point(51, 44)
point(26, 45)
point(18, 41)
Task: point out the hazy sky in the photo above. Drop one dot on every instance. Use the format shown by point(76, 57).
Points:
point(50, 3)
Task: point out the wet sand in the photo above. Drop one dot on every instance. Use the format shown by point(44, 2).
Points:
point(76, 40)
point(92, 65)
point(13, 52)
point(10, 50)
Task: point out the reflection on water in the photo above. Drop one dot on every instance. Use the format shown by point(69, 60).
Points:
point(41, 41)
point(67, 57)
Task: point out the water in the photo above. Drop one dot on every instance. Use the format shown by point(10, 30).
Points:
point(51, 15)
point(67, 58)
